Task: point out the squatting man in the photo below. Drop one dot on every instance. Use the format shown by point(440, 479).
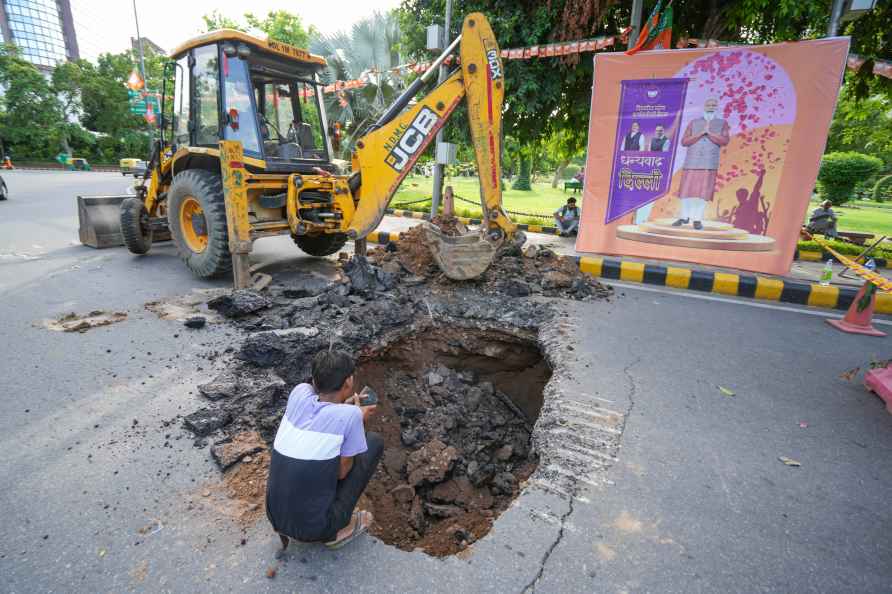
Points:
point(322, 458)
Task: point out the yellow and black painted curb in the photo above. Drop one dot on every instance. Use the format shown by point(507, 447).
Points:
point(707, 281)
point(424, 216)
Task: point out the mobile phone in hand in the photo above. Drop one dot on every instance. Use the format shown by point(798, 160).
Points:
point(368, 397)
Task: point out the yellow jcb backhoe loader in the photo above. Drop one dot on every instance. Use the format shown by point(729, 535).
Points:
point(247, 155)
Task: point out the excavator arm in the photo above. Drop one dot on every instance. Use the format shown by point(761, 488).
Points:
point(386, 155)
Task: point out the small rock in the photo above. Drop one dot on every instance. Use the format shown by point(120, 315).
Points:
point(441, 511)
point(503, 453)
point(403, 493)
point(504, 483)
point(229, 451)
point(394, 461)
point(239, 303)
point(555, 279)
point(530, 250)
point(434, 378)
point(472, 398)
point(264, 349)
point(409, 437)
point(458, 533)
point(205, 421)
point(206, 493)
point(431, 463)
point(515, 288)
point(416, 515)
point(195, 322)
point(457, 490)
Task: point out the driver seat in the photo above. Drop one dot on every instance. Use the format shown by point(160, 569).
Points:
point(305, 136)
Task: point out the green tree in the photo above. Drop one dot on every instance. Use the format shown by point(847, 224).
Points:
point(862, 125)
point(216, 20)
point(283, 26)
point(31, 120)
point(368, 52)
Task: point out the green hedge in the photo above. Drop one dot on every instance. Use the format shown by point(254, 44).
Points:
point(846, 249)
point(841, 173)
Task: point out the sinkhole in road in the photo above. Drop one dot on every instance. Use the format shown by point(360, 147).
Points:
point(456, 411)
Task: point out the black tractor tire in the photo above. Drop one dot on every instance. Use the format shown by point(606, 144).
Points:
point(321, 245)
point(135, 226)
point(207, 189)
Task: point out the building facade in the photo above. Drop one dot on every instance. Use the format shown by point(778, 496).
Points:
point(43, 30)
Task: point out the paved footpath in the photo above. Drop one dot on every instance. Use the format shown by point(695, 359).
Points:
point(695, 499)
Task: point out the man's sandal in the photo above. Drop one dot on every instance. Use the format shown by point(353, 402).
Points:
point(361, 525)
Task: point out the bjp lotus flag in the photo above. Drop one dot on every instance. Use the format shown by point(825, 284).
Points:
point(657, 31)
point(135, 82)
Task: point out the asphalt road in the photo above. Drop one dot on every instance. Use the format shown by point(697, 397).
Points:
point(100, 496)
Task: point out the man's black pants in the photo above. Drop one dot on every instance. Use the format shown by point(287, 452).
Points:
point(352, 486)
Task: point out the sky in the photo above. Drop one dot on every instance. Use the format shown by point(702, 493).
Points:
point(107, 26)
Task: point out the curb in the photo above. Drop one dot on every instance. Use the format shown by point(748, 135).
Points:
point(706, 281)
point(423, 216)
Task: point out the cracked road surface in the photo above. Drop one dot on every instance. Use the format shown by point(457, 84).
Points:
point(685, 492)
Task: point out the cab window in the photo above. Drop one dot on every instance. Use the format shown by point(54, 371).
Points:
point(181, 103)
point(238, 105)
point(205, 77)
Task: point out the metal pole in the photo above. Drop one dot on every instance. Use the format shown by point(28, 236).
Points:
point(835, 15)
point(142, 71)
point(637, 9)
point(439, 169)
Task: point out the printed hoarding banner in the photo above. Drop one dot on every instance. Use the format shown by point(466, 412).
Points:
point(708, 155)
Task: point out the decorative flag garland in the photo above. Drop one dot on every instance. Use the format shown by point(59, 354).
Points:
point(519, 53)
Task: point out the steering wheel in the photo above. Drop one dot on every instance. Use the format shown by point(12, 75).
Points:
point(264, 120)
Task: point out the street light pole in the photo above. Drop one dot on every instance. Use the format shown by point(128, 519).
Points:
point(439, 169)
point(835, 15)
point(142, 71)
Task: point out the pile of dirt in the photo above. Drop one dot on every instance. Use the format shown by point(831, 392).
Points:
point(456, 451)
point(412, 252)
point(449, 225)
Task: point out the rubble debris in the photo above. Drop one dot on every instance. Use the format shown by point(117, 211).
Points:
point(195, 322)
point(233, 385)
point(264, 349)
point(431, 463)
point(366, 279)
point(72, 322)
point(205, 421)
point(239, 303)
point(302, 285)
point(231, 450)
point(182, 307)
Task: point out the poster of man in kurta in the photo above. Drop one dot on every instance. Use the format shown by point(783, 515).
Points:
point(716, 151)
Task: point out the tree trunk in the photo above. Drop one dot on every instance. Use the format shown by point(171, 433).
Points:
point(559, 172)
point(523, 175)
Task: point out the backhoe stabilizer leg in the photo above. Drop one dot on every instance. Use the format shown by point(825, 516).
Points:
point(235, 194)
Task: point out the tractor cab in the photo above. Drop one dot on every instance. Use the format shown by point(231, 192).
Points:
point(265, 94)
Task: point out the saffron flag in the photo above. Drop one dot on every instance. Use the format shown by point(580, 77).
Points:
point(657, 31)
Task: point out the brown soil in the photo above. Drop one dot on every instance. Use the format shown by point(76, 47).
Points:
point(413, 253)
point(449, 225)
point(246, 483)
point(443, 504)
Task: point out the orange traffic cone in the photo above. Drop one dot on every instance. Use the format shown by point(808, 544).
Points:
point(860, 315)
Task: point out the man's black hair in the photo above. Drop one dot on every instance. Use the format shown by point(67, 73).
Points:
point(571, 199)
point(331, 369)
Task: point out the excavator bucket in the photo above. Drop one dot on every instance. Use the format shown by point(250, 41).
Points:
point(460, 257)
point(100, 220)
point(468, 256)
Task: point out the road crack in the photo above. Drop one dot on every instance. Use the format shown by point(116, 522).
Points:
point(531, 587)
point(633, 391)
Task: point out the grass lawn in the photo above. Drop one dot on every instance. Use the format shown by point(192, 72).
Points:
point(542, 200)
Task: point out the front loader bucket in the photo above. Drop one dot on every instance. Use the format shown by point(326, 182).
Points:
point(460, 257)
point(100, 220)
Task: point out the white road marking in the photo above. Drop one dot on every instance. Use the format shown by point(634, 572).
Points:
point(741, 301)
